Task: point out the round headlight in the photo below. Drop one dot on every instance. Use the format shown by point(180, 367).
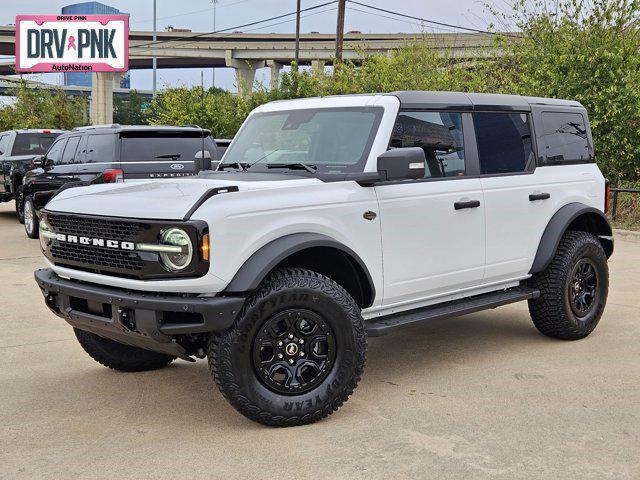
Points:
point(183, 249)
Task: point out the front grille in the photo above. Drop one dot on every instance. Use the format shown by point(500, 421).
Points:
point(96, 256)
point(96, 227)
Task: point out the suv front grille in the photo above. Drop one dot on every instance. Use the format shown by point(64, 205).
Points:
point(96, 227)
point(96, 256)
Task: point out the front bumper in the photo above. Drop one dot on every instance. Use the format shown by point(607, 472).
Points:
point(140, 319)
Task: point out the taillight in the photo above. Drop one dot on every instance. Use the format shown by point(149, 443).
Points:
point(113, 175)
point(607, 195)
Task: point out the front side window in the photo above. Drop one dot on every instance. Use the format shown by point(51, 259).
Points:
point(32, 143)
point(100, 149)
point(4, 143)
point(69, 155)
point(54, 154)
point(333, 140)
point(439, 134)
point(154, 147)
point(565, 138)
point(504, 142)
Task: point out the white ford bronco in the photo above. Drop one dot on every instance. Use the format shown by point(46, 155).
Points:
point(330, 219)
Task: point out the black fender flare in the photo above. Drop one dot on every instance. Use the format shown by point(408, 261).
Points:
point(559, 224)
point(262, 261)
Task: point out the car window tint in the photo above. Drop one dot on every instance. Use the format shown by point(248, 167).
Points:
point(439, 134)
point(4, 143)
point(55, 152)
point(504, 142)
point(165, 147)
point(565, 138)
point(69, 155)
point(32, 143)
point(100, 148)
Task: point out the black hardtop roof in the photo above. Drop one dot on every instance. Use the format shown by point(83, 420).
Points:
point(117, 128)
point(475, 101)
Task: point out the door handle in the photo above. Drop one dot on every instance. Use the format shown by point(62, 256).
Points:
point(469, 204)
point(539, 196)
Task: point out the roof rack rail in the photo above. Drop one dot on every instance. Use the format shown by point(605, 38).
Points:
point(105, 125)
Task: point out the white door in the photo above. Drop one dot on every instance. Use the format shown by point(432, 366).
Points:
point(433, 234)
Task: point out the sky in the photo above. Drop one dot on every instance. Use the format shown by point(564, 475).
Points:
point(197, 15)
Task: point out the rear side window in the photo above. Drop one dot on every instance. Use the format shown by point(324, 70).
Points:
point(100, 149)
point(439, 134)
point(504, 142)
point(161, 147)
point(32, 143)
point(565, 138)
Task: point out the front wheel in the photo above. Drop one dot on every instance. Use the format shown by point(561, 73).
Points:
point(573, 288)
point(31, 221)
point(294, 354)
point(20, 203)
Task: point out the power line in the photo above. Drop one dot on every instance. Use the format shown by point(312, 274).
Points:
point(426, 20)
point(189, 13)
point(277, 17)
point(400, 20)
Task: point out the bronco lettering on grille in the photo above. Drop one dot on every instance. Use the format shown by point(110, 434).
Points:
point(96, 242)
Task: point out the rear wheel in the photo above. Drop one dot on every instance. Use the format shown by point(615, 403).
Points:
point(118, 356)
point(573, 288)
point(296, 352)
point(20, 203)
point(31, 221)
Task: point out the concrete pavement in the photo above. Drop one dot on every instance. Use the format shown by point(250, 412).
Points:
point(481, 396)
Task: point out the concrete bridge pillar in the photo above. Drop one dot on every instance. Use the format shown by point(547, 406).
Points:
point(318, 66)
point(245, 71)
point(102, 97)
point(275, 68)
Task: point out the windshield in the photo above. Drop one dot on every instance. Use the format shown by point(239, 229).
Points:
point(149, 147)
point(333, 140)
point(33, 143)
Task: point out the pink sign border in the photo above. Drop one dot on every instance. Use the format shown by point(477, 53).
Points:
point(95, 67)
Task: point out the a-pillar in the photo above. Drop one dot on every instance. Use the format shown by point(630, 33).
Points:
point(245, 71)
point(317, 66)
point(275, 68)
point(102, 98)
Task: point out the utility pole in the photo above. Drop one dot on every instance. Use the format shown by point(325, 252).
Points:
point(297, 55)
point(213, 70)
point(340, 30)
point(155, 61)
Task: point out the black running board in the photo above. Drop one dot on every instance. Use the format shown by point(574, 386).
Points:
point(381, 326)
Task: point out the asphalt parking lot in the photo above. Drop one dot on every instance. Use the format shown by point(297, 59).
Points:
point(481, 396)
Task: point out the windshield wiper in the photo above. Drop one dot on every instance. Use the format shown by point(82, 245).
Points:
point(239, 165)
point(169, 155)
point(294, 166)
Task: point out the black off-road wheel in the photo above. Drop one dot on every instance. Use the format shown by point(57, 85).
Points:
point(31, 220)
point(294, 354)
point(573, 288)
point(20, 203)
point(119, 356)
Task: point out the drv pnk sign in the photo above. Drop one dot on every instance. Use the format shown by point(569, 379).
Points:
point(72, 43)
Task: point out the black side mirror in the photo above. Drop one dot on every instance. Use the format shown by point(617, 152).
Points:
point(202, 161)
point(39, 161)
point(402, 164)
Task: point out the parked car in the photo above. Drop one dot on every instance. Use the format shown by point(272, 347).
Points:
point(330, 219)
point(108, 154)
point(17, 149)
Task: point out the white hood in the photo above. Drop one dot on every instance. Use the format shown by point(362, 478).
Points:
point(155, 199)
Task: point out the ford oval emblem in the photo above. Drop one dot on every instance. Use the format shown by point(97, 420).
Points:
point(176, 166)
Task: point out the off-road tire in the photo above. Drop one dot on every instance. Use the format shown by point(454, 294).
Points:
point(119, 356)
point(230, 353)
point(19, 203)
point(31, 224)
point(552, 313)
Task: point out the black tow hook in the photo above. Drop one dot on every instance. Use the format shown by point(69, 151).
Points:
point(127, 319)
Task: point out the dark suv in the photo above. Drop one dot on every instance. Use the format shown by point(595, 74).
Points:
point(17, 149)
point(112, 153)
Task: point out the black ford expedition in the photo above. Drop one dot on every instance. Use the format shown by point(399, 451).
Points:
point(111, 153)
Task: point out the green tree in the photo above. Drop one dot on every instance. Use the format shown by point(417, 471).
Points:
point(133, 110)
point(39, 108)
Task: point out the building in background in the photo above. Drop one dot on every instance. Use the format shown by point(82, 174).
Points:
point(90, 8)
